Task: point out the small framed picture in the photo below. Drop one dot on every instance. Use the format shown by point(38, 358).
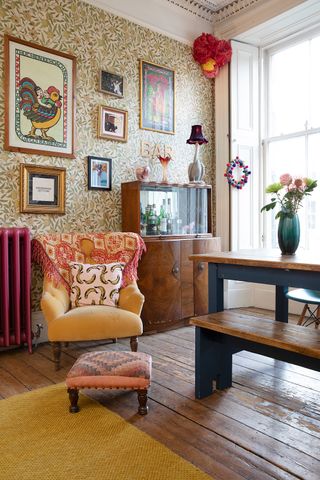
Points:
point(112, 124)
point(111, 83)
point(99, 173)
point(42, 189)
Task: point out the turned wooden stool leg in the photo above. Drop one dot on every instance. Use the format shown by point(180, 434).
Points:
point(300, 321)
point(142, 398)
point(56, 350)
point(134, 344)
point(318, 317)
point(73, 397)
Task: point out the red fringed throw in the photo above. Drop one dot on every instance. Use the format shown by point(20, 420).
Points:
point(55, 252)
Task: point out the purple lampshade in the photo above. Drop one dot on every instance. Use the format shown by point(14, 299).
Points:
point(196, 135)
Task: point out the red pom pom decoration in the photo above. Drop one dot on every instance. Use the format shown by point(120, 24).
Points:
point(211, 53)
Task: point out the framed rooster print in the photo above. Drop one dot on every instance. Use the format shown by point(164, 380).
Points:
point(39, 99)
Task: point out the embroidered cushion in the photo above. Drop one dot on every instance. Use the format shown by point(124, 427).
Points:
point(95, 284)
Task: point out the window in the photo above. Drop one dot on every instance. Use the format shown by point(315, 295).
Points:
point(292, 141)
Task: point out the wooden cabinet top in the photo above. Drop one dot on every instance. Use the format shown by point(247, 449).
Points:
point(139, 183)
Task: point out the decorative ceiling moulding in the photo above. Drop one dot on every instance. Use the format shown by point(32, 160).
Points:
point(234, 8)
point(202, 9)
point(242, 15)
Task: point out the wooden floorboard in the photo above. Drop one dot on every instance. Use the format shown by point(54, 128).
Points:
point(266, 426)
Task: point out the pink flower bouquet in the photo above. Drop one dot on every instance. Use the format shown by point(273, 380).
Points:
point(288, 193)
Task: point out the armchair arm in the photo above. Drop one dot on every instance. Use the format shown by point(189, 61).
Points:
point(54, 301)
point(131, 299)
point(52, 308)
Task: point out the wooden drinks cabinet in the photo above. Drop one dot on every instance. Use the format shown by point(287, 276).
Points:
point(174, 220)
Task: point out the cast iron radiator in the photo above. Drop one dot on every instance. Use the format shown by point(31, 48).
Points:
point(15, 282)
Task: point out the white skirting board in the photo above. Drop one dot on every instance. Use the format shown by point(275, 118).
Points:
point(242, 294)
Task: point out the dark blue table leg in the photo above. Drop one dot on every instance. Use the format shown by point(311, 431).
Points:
point(281, 304)
point(215, 288)
point(213, 361)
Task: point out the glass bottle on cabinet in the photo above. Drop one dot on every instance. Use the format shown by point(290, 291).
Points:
point(164, 210)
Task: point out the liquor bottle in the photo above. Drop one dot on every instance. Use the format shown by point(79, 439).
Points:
point(169, 218)
point(142, 221)
point(152, 222)
point(163, 219)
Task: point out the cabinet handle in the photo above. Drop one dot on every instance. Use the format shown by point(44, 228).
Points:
point(200, 266)
point(175, 270)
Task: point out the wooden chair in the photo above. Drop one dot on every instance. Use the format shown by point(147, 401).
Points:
point(311, 311)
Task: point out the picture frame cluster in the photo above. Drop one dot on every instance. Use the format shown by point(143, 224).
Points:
point(40, 117)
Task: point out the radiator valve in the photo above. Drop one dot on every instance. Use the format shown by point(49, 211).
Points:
point(36, 335)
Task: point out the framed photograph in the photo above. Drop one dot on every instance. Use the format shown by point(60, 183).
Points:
point(39, 99)
point(113, 123)
point(157, 98)
point(42, 189)
point(99, 173)
point(111, 83)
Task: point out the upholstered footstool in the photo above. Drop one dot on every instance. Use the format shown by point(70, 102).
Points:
point(121, 370)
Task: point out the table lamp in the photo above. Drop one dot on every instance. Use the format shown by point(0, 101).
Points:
point(196, 168)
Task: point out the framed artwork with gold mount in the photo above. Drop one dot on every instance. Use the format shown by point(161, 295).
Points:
point(112, 123)
point(42, 189)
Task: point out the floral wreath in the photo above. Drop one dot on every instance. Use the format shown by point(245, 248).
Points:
point(229, 173)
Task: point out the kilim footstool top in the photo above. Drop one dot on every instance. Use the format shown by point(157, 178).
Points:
point(107, 369)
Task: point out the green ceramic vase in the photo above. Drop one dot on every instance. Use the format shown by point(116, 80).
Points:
point(288, 234)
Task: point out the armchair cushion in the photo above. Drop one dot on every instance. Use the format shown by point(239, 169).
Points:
point(95, 284)
point(94, 323)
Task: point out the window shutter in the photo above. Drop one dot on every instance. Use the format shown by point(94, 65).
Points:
point(244, 136)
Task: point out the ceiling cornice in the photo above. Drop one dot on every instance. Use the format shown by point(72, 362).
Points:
point(185, 20)
point(243, 15)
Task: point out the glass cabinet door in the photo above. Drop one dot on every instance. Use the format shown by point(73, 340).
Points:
point(171, 210)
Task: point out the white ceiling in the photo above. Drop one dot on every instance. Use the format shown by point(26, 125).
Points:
point(183, 20)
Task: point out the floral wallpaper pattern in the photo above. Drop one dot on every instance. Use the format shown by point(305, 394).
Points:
point(101, 40)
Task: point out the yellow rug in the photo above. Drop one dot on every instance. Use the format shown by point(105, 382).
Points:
point(40, 439)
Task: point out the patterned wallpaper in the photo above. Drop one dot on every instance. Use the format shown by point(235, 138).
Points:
point(101, 40)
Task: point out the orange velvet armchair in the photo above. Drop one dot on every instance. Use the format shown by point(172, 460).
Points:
point(54, 253)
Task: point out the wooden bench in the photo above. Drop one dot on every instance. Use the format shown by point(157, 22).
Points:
point(220, 335)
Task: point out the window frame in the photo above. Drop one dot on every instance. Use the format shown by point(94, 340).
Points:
point(266, 139)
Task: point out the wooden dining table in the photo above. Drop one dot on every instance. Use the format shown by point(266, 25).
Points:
point(264, 266)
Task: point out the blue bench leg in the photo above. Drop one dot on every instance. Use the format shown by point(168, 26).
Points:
point(224, 359)
point(213, 362)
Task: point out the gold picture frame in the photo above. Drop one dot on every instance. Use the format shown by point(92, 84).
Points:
point(157, 98)
point(39, 85)
point(112, 123)
point(42, 189)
